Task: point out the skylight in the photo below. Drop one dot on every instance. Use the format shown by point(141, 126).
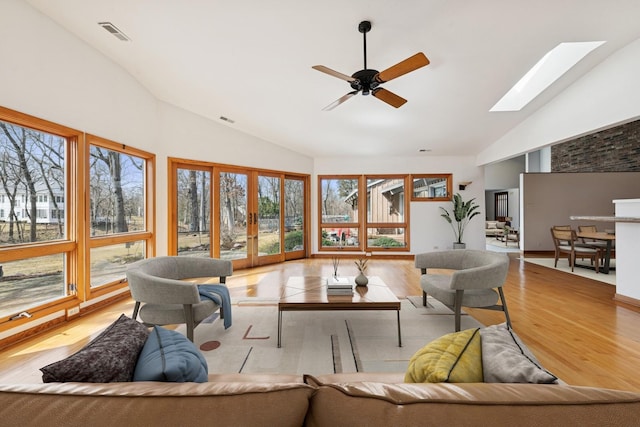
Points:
point(549, 69)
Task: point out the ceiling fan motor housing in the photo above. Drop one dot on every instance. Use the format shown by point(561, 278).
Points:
point(365, 80)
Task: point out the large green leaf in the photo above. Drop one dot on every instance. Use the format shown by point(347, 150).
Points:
point(463, 212)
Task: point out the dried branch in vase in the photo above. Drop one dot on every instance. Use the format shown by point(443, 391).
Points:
point(362, 265)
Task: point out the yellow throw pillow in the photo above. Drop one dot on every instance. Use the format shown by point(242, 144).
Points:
point(453, 358)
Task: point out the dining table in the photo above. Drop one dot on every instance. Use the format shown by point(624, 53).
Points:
point(609, 238)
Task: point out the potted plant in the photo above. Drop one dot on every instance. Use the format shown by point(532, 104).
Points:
point(462, 213)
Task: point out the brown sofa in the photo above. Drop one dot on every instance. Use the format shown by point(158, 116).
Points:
point(334, 400)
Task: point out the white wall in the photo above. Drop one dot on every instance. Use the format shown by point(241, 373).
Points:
point(48, 73)
point(627, 249)
point(606, 96)
point(504, 174)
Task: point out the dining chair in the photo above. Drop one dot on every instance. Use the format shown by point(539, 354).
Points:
point(562, 227)
point(592, 242)
point(565, 242)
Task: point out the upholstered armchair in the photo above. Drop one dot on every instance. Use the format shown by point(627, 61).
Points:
point(464, 277)
point(162, 297)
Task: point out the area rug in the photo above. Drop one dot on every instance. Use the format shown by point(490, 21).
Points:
point(563, 265)
point(492, 244)
point(320, 342)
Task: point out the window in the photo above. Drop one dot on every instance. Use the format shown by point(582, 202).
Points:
point(339, 198)
point(269, 208)
point(385, 223)
point(194, 212)
point(53, 254)
point(249, 216)
point(118, 203)
point(35, 256)
point(432, 187)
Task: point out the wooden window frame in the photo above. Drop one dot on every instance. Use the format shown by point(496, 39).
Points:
point(449, 187)
point(402, 225)
point(362, 224)
point(175, 163)
point(67, 247)
point(346, 224)
point(89, 242)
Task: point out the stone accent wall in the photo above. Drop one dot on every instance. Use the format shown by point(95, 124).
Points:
point(611, 150)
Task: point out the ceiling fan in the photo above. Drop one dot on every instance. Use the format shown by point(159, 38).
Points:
point(368, 81)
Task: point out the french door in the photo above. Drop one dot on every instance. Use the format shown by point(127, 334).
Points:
point(258, 218)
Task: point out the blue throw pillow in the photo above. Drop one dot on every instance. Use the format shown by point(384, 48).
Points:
point(169, 356)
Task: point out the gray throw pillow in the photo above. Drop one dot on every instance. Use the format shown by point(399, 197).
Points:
point(505, 358)
point(110, 357)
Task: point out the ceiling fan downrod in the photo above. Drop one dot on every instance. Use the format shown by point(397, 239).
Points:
point(364, 27)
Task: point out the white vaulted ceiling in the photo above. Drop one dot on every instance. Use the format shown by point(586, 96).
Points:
point(250, 61)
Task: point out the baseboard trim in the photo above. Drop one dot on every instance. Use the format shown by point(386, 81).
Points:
point(538, 254)
point(626, 300)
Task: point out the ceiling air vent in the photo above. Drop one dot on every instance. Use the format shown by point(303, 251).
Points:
point(114, 30)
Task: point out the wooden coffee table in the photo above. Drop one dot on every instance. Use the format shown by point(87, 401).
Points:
point(309, 293)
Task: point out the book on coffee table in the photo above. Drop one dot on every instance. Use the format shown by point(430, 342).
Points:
point(335, 280)
point(340, 286)
point(340, 291)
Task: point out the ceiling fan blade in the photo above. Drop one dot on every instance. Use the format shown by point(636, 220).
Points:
point(401, 68)
point(333, 73)
point(339, 101)
point(389, 97)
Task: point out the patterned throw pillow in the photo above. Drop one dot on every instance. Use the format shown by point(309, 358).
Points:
point(110, 357)
point(453, 358)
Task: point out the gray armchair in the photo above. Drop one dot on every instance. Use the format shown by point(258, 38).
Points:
point(473, 283)
point(163, 298)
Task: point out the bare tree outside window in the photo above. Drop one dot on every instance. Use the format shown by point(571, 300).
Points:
point(117, 192)
point(268, 215)
point(32, 190)
point(233, 215)
point(31, 176)
point(117, 202)
point(194, 212)
point(339, 215)
point(293, 215)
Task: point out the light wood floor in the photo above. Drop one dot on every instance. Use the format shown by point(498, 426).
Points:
point(571, 324)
